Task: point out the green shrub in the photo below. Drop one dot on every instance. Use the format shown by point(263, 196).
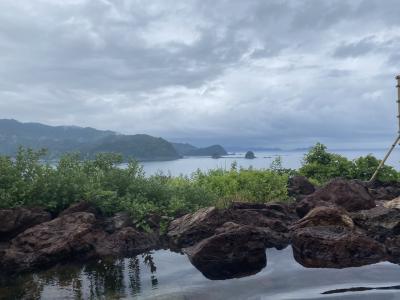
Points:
point(319, 166)
point(28, 181)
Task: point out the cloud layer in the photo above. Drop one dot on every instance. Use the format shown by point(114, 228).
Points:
point(260, 73)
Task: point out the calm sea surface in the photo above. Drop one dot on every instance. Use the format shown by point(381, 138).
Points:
point(290, 159)
point(167, 275)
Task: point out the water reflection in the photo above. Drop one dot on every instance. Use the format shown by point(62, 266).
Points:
point(102, 279)
point(167, 275)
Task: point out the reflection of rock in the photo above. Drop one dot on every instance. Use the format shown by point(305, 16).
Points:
point(16, 220)
point(235, 251)
point(192, 228)
point(299, 187)
point(327, 238)
point(349, 194)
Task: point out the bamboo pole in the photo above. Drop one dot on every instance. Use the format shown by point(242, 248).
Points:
point(398, 137)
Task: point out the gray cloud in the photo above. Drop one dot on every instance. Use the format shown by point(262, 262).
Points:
point(265, 73)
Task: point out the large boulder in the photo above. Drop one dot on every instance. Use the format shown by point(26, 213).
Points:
point(47, 243)
point(73, 236)
point(335, 247)
point(192, 228)
point(234, 251)
point(379, 223)
point(16, 220)
point(352, 195)
point(299, 187)
point(327, 237)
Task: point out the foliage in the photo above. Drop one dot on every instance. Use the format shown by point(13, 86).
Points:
point(319, 165)
point(28, 181)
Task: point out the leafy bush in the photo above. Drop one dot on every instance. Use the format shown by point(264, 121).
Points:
point(27, 181)
point(319, 165)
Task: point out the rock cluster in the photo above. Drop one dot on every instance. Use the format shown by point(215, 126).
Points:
point(79, 233)
point(342, 224)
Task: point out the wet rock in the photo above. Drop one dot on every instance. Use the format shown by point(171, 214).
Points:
point(393, 249)
point(327, 237)
point(307, 204)
point(116, 222)
point(124, 242)
point(74, 236)
point(234, 252)
point(16, 220)
point(82, 206)
point(335, 247)
point(379, 222)
point(192, 228)
point(300, 186)
point(352, 195)
point(50, 242)
point(384, 190)
point(325, 216)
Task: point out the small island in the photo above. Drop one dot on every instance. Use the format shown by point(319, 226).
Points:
point(249, 155)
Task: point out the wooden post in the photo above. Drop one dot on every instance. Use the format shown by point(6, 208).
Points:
point(398, 132)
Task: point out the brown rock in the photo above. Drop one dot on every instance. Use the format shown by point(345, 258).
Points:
point(352, 195)
point(300, 186)
point(234, 252)
point(16, 220)
point(335, 247)
point(82, 206)
point(192, 228)
point(50, 242)
point(325, 216)
point(379, 222)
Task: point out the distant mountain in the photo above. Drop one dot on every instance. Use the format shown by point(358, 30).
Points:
point(183, 148)
point(140, 146)
point(214, 150)
point(89, 141)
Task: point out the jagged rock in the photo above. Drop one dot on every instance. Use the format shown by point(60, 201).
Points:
point(15, 220)
point(335, 247)
point(192, 228)
point(73, 236)
point(325, 216)
point(126, 241)
point(379, 222)
point(82, 206)
point(116, 222)
point(384, 190)
point(352, 195)
point(395, 203)
point(50, 242)
point(235, 251)
point(300, 186)
point(328, 238)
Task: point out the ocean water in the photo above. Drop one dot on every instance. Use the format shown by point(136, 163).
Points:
point(290, 159)
point(167, 275)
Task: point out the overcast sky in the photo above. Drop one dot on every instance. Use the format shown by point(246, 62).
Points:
point(239, 73)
